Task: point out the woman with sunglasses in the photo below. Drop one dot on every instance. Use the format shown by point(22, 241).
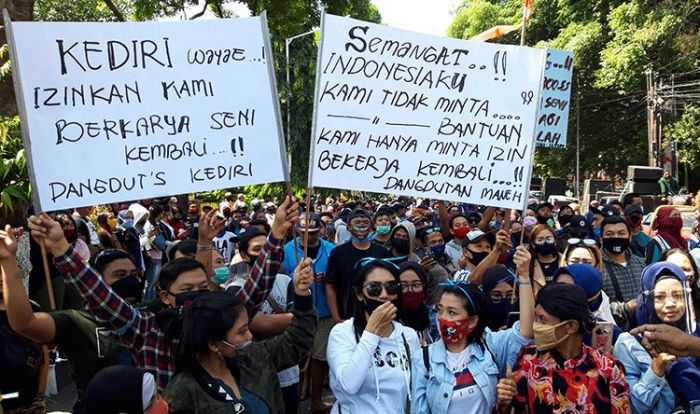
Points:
point(656, 382)
point(582, 251)
point(372, 358)
point(545, 258)
point(460, 373)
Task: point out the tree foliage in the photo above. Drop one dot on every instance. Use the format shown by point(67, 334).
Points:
point(615, 42)
point(686, 133)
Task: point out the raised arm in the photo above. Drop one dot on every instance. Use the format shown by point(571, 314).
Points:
point(39, 326)
point(503, 244)
point(108, 308)
point(269, 261)
point(210, 225)
point(526, 296)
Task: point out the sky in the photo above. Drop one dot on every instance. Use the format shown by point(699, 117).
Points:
point(425, 16)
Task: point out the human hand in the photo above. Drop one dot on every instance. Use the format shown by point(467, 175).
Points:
point(46, 230)
point(663, 338)
point(506, 389)
point(660, 363)
point(503, 241)
point(381, 317)
point(286, 216)
point(210, 225)
point(522, 259)
point(303, 276)
point(8, 246)
point(632, 305)
point(427, 263)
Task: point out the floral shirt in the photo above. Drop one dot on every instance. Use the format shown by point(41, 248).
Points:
point(590, 383)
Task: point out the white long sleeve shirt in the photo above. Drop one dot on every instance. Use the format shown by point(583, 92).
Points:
point(374, 375)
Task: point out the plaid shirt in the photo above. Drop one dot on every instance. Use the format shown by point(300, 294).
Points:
point(629, 277)
point(137, 329)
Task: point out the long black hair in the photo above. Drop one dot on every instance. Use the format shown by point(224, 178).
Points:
point(363, 269)
point(208, 319)
point(474, 302)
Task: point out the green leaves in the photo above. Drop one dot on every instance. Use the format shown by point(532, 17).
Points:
point(686, 132)
point(15, 192)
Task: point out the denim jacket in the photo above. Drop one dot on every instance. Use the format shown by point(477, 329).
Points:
point(433, 390)
point(648, 392)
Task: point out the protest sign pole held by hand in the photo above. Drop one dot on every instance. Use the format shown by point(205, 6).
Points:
point(306, 222)
point(47, 275)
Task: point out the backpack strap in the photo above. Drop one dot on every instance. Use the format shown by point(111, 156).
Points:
point(410, 371)
point(613, 279)
point(663, 244)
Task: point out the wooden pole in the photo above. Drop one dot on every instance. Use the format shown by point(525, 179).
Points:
point(524, 24)
point(306, 223)
point(47, 274)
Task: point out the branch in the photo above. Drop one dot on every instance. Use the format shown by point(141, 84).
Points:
point(219, 10)
point(201, 13)
point(115, 10)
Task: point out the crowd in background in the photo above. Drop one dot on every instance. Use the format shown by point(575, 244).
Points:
point(394, 305)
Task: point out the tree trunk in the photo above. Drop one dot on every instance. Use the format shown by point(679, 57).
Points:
point(20, 10)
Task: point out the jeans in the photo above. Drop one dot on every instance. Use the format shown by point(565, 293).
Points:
point(152, 279)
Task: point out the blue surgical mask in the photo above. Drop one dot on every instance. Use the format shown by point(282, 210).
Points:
point(597, 232)
point(128, 223)
point(383, 230)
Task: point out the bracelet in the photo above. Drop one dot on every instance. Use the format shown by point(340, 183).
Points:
point(204, 248)
point(518, 282)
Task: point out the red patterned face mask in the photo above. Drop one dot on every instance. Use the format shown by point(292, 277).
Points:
point(454, 331)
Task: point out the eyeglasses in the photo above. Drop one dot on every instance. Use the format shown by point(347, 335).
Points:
point(676, 296)
point(391, 287)
point(413, 287)
point(497, 297)
point(543, 240)
point(576, 241)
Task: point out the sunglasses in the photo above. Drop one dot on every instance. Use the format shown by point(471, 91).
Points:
point(586, 242)
point(431, 230)
point(374, 289)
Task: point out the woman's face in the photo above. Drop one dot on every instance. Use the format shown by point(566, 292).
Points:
point(381, 276)
point(669, 300)
point(684, 263)
point(452, 308)
point(237, 335)
point(581, 255)
point(674, 213)
point(502, 291)
point(410, 280)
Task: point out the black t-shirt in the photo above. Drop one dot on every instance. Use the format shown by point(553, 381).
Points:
point(341, 270)
point(548, 270)
point(26, 386)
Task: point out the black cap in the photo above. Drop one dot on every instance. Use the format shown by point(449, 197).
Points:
point(543, 205)
point(609, 210)
point(476, 236)
point(578, 226)
point(633, 208)
point(357, 213)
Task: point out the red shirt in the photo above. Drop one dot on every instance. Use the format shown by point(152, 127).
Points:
point(590, 383)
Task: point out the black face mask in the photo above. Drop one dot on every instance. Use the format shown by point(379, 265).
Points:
point(477, 257)
point(401, 246)
point(616, 245)
point(186, 298)
point(564, 220)
point(128, 288)
point(542, 220)
point(372, 304)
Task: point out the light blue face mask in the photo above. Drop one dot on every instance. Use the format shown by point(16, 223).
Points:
point(220, 275)
point(383, 230)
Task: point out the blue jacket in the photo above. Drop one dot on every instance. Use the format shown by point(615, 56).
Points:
point(318, 289)
point(433, 390)
point(648, 392)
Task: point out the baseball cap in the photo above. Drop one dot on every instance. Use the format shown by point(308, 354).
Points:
point(544, 204)
point(476, 236)
point(578, 226)
point(633, 208)
point(609, 210)
point(314, 223)
point(357, 213)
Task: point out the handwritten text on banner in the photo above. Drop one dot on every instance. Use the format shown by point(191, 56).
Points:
point(553, 119)
point(404, 113)
point(126, 111)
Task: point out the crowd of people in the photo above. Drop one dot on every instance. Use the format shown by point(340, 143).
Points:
point(394, 305)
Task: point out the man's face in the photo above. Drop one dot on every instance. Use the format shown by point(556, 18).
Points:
point(236, 216)
point(189, 281)
point(667, 174)
point(382, 221)
point(545, 212)
point(359, 227)
point(313, 236)
point(617, 230)
point(255, 246)
point(458, 223)
point(637, 201)
point(434, 239)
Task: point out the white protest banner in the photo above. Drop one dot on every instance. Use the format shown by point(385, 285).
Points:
point(124, 111)
point(553, 119)
point(399, 112)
